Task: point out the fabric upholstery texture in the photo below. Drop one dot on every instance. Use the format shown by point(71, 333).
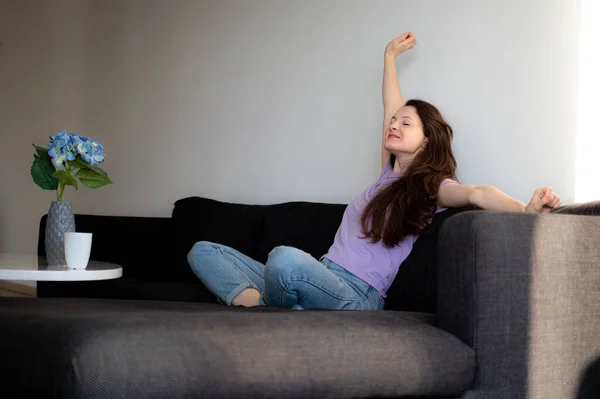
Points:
point(587, 208)
point(87, 348)
point(524, 291)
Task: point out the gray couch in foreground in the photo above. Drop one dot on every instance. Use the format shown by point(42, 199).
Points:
point(517, 316)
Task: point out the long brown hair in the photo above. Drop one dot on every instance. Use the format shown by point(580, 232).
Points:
point(408, 202)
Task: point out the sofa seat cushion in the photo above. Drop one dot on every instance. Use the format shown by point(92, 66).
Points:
point(64, 347)
point(128, 288)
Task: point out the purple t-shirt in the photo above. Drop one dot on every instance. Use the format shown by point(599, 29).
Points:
point(372, 263)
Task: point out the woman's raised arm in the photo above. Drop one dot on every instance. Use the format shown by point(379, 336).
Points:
point(392, 97)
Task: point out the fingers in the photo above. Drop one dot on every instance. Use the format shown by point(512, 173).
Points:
point(551, 199)
point(406, 36)
point(544, 200)
point(543, 195)
point(542, 192)
point(548, 197)
point(555, 201)
point(402, 43)
point(537, 200)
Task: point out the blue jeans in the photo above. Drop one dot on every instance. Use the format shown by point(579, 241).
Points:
point(291, 278)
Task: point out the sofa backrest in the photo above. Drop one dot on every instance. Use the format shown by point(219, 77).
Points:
point(255, 229)
point(583, 208)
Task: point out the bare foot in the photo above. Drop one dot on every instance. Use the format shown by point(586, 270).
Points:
point(249, 297)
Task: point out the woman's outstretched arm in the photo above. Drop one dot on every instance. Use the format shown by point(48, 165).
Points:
point(392, 97)
point(456, 195)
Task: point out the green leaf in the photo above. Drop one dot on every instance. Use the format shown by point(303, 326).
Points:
point(78, 163)
point(92, 179)
point(41, 172)
point(81, 164)
point(65, 178)
point(41, 151)
point(99, 170)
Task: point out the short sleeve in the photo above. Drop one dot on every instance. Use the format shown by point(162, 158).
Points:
point(446, 181)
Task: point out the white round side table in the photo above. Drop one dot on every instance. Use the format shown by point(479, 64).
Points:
point(32, 267)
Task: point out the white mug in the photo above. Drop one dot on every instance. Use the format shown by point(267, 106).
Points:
point(77, 249)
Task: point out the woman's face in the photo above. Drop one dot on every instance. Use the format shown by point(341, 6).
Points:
point(405, 134)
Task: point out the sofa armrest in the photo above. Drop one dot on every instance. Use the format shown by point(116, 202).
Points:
point(524, 291)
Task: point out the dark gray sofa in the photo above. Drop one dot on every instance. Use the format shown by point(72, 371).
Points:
point(516, 315)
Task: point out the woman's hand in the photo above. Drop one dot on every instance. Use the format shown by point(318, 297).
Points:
point(543, 201)
point(399, 45)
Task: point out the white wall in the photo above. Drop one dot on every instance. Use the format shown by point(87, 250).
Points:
point(265, 101)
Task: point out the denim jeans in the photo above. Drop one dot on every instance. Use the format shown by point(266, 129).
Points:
point(291, 278)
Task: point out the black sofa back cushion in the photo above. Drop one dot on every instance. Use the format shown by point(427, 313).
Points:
point(238, 226)
point(255, 230)
point(308, 226)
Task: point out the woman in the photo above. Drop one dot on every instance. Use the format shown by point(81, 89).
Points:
point(378, 228)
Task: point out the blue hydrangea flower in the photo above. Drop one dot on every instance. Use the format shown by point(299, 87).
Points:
point(59, 160)
point(57, 148)
point(97, 152)
point(53, 152)
point(75, 138)
point(59, 140)
point(83, 148)
point(65, 147)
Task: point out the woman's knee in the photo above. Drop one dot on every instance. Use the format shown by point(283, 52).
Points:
point(283, 260)
point(201, 250)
